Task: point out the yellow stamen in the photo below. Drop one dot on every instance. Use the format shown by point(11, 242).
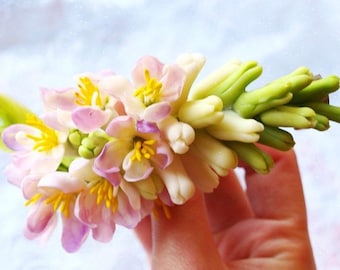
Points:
point(88, 94)
point(165, 208)
point(48, 137)
point(62, 201)
point(143, 149)
point(34, 199)
point(58, 200)
point(149, 93)
point(104, 191)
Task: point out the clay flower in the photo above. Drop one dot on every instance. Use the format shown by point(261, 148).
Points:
point(136, 148)
point(155, 87)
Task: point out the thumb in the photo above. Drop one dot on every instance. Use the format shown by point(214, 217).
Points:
point(184, 241)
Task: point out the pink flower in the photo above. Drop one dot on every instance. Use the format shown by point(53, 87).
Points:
point(136, 148)
point(103, 205)
point(85, 107)
point(39, 148)
point(54, 192)
point(155, 87)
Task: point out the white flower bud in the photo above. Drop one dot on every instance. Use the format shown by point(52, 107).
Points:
point(233, 127)
point(203, 112)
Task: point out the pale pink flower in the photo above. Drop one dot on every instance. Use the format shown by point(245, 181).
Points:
point(136, 148)
point(155, 87)
point(54, 192)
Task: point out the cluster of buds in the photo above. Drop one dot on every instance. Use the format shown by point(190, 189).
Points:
point(111, 150)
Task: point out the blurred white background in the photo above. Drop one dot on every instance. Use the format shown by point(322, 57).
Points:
point(46, 42)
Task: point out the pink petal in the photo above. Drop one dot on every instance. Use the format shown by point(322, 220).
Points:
point(59, 98)
point(163, 157)
point(121, 127)
point(59, 120)
point(132, 194)
point(15, 174)
point(61, 181)
point(30, 186)
point(127, 216)
point(147, 127)
point(88, 119)
point(116, 86)
point(39, 218)
point(104, 232)
point(173, 80)
point(152, 64)
point(74, 233)
point(107, 164)
point(87, 210)
point(10, 139)
point(156, 112)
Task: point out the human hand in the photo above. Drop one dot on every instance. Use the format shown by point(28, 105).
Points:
point(262, 228)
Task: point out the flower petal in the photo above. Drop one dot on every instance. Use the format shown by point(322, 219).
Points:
point(163, 157)
point(39, 218)
point(115, 86)
point(177, 182)
point(108, 163)
point(121, 127)
point(150, 63)
point(88, 119)
point(61, 181)
point(74, 233)
point(136, 170)
point(156, 112)
point(58, 98)
point(173, 81)
point(104, 232)
point(15, 137)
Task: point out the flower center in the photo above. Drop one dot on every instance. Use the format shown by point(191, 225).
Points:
point(48, 137)
point(149, 93)
point(88, 94)
point(143, 148)
point(59, 200)
point(106, 194)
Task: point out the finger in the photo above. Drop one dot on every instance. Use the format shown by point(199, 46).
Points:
point(279, 194)
point(143, 232)
point(228, 204)
point(184, 241)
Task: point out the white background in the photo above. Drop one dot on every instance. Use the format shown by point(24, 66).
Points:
point(46, 42)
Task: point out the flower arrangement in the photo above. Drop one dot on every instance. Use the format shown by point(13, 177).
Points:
point(110, 151)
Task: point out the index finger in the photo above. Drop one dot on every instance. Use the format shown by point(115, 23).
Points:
point(278, 194)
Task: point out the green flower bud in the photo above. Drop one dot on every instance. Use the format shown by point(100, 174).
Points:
point(75, 137)
point(298, 79)
point(92, 145)
point(230, 89)
point(317, 90)
point(288, 116)
point(257, 159)
point(250, 104)
point(322, 122)
point(330, 111)
point(276, 138)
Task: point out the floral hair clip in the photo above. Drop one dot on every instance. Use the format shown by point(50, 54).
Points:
point(111, 150)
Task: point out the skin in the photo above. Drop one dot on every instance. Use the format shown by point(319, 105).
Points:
point(264, 227)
